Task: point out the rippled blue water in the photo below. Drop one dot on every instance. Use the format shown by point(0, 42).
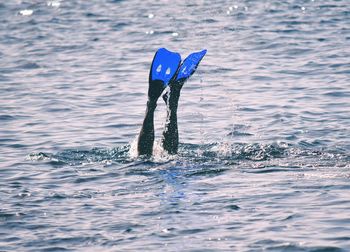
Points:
point(264, 161)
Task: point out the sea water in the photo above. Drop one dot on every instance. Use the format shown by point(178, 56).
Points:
point(264, 123)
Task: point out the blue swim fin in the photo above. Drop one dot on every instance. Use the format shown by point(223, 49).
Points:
point(189, 65)
point(164, 66)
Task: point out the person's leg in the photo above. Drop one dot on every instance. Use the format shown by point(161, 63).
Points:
point(170, 140)
point(164, 65)
point(146, 136)
point(166, 68)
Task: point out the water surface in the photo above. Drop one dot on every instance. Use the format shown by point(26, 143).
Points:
point(264, 127)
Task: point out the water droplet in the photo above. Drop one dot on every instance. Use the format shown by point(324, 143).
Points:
point(159, 68)
point(26, 12)
point(150, 15)
point(168, 71)
point(175, 34)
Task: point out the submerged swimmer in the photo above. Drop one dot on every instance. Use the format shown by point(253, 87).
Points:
point(166, 70)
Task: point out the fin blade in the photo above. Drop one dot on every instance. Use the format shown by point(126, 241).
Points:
point(164, 66)
point(190, 64)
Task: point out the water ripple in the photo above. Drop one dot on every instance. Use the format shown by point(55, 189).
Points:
point(263, 163)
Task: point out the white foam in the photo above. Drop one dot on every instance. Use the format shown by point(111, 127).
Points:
point(26, 12)
point(55, 4)
point(159, 154)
